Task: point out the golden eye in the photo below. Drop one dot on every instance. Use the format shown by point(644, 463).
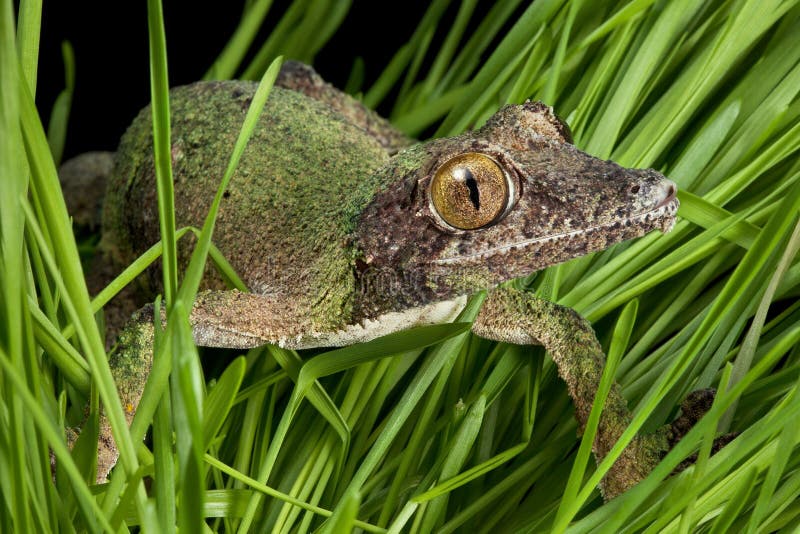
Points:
point(470, 191)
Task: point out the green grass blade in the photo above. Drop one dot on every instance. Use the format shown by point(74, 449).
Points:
point(59, 115)
point(445, 54)
point(344, 519)
point(65, 356)
point(86, 501)
point(508, 49)
point(43, 175)
point(232, 55)
point(188, 420)
point(405, 55)
point(162, 147)
point(551, 87)
point(449, 484)
point(272, 493)
point(735, 505)
point(661, 29)
point(13, 187)
point(621, 337)
point(221, 398)
point(336, 361)
point(459, 448)
point(29, 24)
point(750, 342)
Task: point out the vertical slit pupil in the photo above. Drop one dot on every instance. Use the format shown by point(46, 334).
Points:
point(474, 193)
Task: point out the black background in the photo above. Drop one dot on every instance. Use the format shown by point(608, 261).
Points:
point(111, 54)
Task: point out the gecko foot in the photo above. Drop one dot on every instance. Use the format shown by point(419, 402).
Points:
point(693, 408)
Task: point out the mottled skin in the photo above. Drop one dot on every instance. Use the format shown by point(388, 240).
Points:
point(321, 174)
point(329, 222)
point(568, 204)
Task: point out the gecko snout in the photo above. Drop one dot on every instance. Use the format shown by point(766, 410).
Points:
point(652, 190)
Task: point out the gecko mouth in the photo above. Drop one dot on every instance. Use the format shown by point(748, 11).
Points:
point(661, 217)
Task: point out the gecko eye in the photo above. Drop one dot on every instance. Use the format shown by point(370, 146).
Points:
point(470, 191)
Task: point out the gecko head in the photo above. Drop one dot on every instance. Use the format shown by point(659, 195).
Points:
point(506, 200)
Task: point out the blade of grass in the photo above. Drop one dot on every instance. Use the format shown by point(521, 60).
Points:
point(29, 23)
point(404, 55)
point(445, 54)
point(146, 259)
point(335, 361)
point(221, 399)
point(514, 41)
point(551, 87)
point(188, 399)
point(266, 490)
point(165, 469)
point(86, 501)
point(344, 519)
point(234, 51)
point(470, 55)
point(165, 490)
point(68, 360)
point(46, 184)
point(459, 448)
point(59, 115)
point(415, 448)
point(735, 505)
point(194, 272)
point(13, 186)
point(675, 17)
point(512, 479)
point(748, 347)
point(162, 148)
point(621, 337)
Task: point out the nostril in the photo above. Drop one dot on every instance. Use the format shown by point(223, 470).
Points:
point(634, 189)
point(669, 191)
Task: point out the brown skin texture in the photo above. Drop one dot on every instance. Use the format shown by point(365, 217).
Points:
point(567, 204)
point(330, 223)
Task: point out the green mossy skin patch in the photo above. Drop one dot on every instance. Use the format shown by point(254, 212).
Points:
point(286, 220)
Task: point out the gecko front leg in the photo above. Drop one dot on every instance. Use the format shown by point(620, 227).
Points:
point(518, 317)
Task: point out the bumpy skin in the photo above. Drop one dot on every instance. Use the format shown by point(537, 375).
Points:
point(303, 79)
point(338, 241)
point(303, 180)
point(568, 204)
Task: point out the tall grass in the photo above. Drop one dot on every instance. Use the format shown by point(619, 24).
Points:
point(436, 430)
